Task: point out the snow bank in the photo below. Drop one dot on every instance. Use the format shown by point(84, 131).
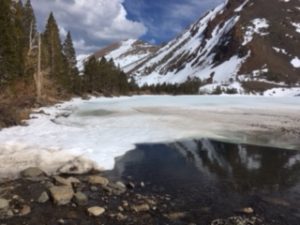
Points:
point(84, 134)
point(283, 92)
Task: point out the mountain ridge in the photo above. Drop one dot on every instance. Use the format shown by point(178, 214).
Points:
point(249, 45)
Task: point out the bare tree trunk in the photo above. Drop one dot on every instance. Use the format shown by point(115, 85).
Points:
point(30, 40)
point(39, 75)
point(30, 36)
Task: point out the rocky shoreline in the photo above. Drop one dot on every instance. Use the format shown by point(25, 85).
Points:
point(38, 199)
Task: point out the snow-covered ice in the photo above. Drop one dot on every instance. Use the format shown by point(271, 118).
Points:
point(91, 133)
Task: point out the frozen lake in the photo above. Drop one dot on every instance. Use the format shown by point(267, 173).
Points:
point(82, 134)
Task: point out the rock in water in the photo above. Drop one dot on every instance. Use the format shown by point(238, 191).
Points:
point(32, 172)
point(4, 204)
point(98, 180)
point(95, 211)
point(61, 195)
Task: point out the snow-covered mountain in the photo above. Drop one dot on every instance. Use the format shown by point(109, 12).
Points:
point(127, 54)
point(251, 45)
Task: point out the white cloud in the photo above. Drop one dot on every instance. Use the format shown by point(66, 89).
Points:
point(81, 46)
point(92, 22)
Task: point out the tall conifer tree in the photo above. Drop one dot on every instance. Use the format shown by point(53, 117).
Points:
point(69, 51)
point(10, 61)
point(54, 60)
point(70, 54)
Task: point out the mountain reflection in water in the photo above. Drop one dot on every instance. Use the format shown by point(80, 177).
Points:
point(218, 175)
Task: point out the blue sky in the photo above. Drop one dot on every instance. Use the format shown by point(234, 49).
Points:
point(97, 23)
point(164, 19)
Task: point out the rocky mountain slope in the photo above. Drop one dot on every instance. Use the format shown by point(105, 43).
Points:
point(127, 54)
point(249, 45)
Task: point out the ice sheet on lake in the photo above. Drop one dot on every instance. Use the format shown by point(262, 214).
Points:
point(80, 133)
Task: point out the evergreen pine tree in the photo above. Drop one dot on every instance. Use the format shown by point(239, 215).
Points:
point(69, 51)
point(91, 72)
point(54, 61)
point(70, 55)
point(10, 58)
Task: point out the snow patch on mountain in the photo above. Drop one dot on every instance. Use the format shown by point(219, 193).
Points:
point(280, 50)
point(257, 26)
point(129, 54)
point(241, 7)
point(296, 62)
point(191, 42)
point(81, 60)
point(297, 26)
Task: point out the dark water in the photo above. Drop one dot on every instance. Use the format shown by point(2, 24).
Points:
point(213, 179)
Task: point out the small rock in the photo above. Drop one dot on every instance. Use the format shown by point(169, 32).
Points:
point(125, 204)
point(237, 220)
point(247, 210)
point(98, 180)
point(142, 184)
point(150, 201)
point(141, 208)
point(10, 213)
point(25, 210)
point(121, 184)
point(61, 221)
point(81, 198)
point(44, 197)
point(32, 172)
point(121, 209)
point(118, 216)
point(94, 189)
point(176, 215)
point(61, 195)
point(116, 189)
point(16, 197)
point(131, 185)
point(95, 211)
point(205, 209)
point(4, 204)
point(48, 184)
point(16, 211)
point(66, 181)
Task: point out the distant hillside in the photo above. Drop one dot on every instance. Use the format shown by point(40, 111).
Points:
point(249, 45)
point(127, 54)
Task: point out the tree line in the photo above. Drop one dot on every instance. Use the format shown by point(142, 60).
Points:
point(47, 67)
point(44, 62)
